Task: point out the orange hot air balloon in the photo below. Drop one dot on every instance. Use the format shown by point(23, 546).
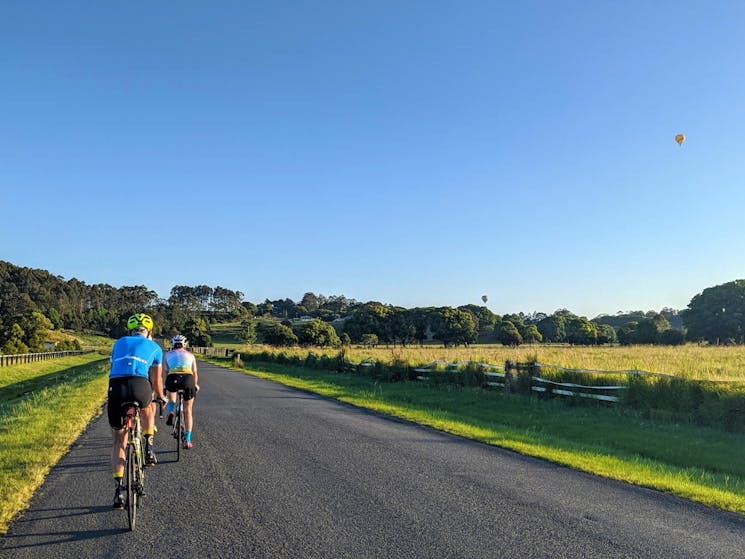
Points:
point(680, 138)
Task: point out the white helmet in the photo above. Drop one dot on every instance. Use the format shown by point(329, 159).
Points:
point(178, 339)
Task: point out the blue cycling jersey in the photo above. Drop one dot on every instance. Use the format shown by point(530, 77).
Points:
point(132, 356)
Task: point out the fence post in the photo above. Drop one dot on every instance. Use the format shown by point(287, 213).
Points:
point(509, 378)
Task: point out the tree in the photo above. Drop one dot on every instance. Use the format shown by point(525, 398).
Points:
point(36, 329)
point(251, 309)
point(422, 319)
point(606, 334)
point(310, 302)
point(672, 337)
point(401, 326)
point(581, 331)
point(717, 314)
point(508, 334)
point(627, 333)
point(553, 328)
point(486, 318)
point(12, 340)
point(318, 333)
point(454, 327)
point(247, 331)
point(368, 319)
point(279, 335)
point(531, 335)
point(369, 340)
point(197, 331)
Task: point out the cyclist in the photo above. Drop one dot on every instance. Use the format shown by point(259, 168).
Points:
point(136, 371)
point(180, 367)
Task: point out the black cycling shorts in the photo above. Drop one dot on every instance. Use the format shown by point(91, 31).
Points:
point(175, 382)
point(127, 389)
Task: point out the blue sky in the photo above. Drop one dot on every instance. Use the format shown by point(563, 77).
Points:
point(417, 153)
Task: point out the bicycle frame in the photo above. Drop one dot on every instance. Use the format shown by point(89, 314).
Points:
point(179, 430)
point(135, 460)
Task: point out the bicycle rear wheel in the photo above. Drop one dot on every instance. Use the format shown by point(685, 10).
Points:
point(179, 427)
point(132, 493)
point(182, 429)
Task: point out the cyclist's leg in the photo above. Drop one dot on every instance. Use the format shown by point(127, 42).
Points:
point(189, 393)
point(119, 392)
point(172, 387)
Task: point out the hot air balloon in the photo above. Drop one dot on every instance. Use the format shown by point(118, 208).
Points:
point(680, 138)
point(484, 298)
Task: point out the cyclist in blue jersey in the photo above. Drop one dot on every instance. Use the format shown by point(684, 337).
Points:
point(180, 368)
point(136, 371)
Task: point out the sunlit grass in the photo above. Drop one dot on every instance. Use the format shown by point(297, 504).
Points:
point(36, 424)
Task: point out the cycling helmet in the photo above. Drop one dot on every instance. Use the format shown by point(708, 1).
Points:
point(140, 320)
point(178, 339)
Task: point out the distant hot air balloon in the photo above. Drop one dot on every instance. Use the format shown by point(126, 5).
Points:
point(680, 138)
point(484, 298)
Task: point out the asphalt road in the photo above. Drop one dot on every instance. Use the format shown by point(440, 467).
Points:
point(277, 472)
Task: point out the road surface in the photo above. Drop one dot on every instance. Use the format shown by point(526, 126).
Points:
point(279, 473)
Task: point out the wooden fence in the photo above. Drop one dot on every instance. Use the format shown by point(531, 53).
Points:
point(7, 360)
point(213, 351)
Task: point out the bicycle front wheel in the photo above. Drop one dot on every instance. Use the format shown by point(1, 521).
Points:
point(132, 494)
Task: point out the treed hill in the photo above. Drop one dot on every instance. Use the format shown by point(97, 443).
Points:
point(34, 301)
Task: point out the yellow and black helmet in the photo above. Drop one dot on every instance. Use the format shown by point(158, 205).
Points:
point(140, 320)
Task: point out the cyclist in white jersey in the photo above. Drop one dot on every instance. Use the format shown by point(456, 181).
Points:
point(180, 367)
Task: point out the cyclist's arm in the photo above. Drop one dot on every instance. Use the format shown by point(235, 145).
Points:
point(156, 379)
point(194, 371)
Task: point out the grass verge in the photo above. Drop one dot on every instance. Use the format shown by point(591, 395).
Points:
point(701, 464)
point(36, 423)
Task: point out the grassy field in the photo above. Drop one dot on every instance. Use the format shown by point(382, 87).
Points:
point(36, 426)
point(702, 464)
point(717, 363)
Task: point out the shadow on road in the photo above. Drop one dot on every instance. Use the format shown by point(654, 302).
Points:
point(56, 537)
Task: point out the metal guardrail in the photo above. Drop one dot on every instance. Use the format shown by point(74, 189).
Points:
point(18, 358)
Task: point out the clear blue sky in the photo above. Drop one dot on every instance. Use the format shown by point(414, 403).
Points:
point(418, 153)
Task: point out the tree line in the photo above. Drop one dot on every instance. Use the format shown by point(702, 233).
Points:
point(34, 301)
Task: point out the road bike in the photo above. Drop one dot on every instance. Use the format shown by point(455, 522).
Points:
point(179, 431)
point(135, 461)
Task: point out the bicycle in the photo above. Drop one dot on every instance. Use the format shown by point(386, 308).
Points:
point(179, 431)
point(134, 461)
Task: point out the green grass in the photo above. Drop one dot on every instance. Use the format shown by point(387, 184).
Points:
point(44, 406)
point(33, 373)
point(93, 341)
point(702, 464)
point(225, 334)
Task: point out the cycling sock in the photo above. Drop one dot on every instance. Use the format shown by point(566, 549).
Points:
point(188, 437)
point(169, 407)
point(149, 440)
